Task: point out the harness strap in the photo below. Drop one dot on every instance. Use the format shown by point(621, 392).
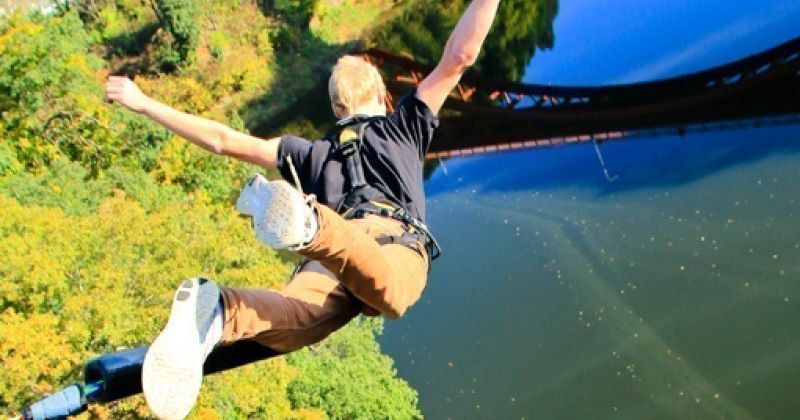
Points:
point(414, 227)
point(407, 239)
point(362, 199)
point(350, 140)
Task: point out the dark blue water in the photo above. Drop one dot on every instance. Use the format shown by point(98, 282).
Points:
point(671, 292)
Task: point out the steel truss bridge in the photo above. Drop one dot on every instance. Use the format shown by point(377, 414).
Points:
point(482, 115)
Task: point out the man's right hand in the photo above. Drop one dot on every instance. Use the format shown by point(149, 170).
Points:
point(123, 90)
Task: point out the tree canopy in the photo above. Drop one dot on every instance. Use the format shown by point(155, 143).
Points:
point(521, 27)
point(105, 212)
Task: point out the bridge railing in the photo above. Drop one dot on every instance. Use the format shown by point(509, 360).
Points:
point(518, 96)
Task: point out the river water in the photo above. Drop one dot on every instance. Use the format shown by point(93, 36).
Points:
point(671, 292)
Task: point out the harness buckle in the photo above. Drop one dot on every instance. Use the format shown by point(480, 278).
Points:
point(349, 148)
point(412, 226)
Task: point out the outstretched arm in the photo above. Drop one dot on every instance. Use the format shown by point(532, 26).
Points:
point(461, 51)
point(208, 134)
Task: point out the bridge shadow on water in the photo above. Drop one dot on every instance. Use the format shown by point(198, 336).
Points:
point(667, 161)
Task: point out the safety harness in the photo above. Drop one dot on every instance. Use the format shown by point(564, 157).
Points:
point(362, 199)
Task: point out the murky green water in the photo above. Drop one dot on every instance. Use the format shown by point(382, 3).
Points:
point(673, 292)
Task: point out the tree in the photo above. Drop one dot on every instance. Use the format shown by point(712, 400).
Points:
point(181, 18)
point(521, 27)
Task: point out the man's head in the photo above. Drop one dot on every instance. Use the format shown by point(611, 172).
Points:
point(356, 87)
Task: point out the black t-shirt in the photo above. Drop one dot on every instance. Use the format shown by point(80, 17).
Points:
point(392, 153)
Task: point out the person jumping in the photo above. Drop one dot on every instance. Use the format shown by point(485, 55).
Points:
point(360, 228)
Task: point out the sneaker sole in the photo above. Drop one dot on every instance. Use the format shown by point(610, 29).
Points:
point(173, 367)
point(285, 217)
point(248, 198)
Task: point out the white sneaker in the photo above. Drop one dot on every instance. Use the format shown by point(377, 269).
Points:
point(173, 367)
point(282, 217)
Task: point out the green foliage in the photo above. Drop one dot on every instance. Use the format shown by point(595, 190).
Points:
point(104, 212)
point(250, 392)
point(63, 185)
point(343, 21)
point(68, 186)
point(294, 12)
point(521, 27)
point(144, 189)
point(66, 298)
point(194, 169)
point(51, 100)
point(41, 60)
point(293, 17)
point(125, 25)
point(181, 18)
point(8, 159)
point(349, 378)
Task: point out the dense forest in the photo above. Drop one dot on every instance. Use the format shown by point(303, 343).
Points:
point(104, 212)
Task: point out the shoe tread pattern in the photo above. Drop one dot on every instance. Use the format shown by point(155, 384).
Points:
point(173, 367)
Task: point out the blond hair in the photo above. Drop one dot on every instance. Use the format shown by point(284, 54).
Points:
point(354, 82)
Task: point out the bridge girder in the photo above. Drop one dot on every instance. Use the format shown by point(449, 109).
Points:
point(483, 114)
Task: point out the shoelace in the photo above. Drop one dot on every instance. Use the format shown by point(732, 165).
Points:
point(294, 175)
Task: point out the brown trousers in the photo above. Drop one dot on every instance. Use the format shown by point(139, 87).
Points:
point(347, 273)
